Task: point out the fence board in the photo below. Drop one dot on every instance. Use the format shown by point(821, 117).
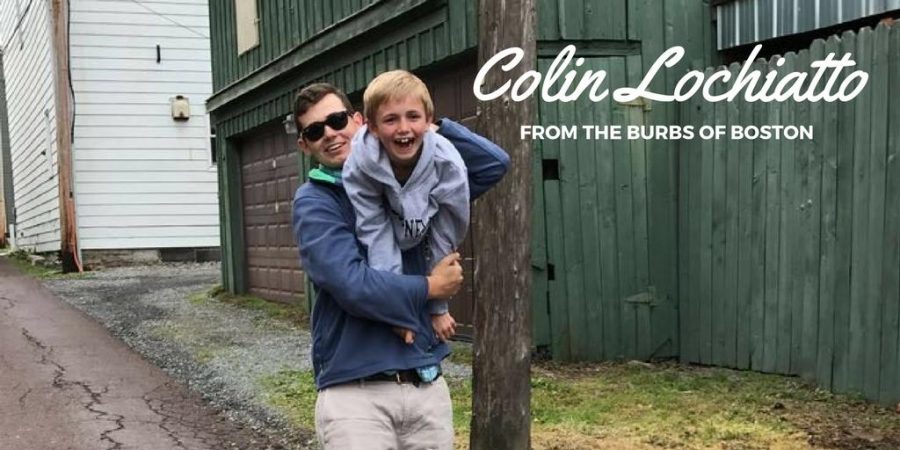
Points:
point(846, 130)
point(773, 212)
point(688, 348)
point(828, 226)
point(861, 189)
point(799, 233)
point(733, 153)
point(787, 246)
point(706, 213)
point(743, 235)
point(719, 295)
point(875, 233)
point(890, 338)
point(811, 226)
point(758, 239)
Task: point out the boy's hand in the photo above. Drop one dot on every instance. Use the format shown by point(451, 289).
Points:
point(446, 278)
point(407, 335)
point(444, 326)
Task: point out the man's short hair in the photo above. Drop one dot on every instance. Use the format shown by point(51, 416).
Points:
point(392, 85)
point(314, 93)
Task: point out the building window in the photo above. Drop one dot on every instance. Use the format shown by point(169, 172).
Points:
point(247, 22)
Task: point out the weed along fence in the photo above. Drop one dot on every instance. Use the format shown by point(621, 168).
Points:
point(789, 249)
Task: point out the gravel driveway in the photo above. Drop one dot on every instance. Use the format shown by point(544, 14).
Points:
point(218, 350)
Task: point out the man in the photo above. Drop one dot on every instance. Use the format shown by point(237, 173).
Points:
point(376, 391)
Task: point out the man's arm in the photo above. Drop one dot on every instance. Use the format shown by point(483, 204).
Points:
point(332, 259)
point(485, 161)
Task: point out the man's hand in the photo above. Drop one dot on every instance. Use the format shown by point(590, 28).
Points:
point(446, 278)
point(444, 326)
point(408, 336)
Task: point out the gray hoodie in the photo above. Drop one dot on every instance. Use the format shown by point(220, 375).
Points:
point(432, 204)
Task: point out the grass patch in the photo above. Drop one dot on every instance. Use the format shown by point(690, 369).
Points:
point(20, 259)
point(461, 353)
point(204, 345)
point(292, 313)
point(294, 394)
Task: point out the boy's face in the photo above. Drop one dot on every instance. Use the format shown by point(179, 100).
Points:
point(332, 147)
point(400, 124)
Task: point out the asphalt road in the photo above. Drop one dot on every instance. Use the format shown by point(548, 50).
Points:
point(66, 383)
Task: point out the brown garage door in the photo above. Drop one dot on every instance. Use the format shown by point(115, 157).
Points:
point(269, 177)
point(451, 90)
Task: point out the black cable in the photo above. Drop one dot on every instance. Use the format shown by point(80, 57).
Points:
point(69, 67)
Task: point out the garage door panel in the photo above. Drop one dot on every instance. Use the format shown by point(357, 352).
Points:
point(452, 94)
point(269, 173)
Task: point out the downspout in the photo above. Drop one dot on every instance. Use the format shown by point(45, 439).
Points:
point(68, 253)
point(6, 163)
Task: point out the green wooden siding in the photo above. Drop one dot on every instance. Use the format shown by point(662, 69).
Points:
point(283, 25)
point(582, 20)
point(607, 228)
point(601, 300)
point(433, 36)
point(790, 250)
point(425, 42)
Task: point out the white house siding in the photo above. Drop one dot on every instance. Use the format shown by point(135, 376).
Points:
point(142, 180)
point(26, 37)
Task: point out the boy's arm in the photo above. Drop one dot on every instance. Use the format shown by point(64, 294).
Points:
point(448, 226)
point(486, 162)
point(333, 261)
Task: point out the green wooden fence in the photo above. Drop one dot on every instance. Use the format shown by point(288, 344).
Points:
point(789, 250)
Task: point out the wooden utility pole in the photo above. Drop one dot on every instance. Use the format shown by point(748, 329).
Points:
point(68, 253)
point(7, 213)
point(501, 413)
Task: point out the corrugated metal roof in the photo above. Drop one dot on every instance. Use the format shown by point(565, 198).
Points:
point(747, 21)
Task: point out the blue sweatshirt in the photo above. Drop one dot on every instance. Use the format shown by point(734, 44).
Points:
point(356, 306)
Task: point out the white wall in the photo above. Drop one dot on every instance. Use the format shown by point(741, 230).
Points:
point(142, 180)
point(26, 37)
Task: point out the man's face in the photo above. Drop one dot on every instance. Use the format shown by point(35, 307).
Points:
point(333, 147)
point(400, 125)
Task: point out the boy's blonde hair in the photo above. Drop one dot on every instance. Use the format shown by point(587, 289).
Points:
point(392, 85)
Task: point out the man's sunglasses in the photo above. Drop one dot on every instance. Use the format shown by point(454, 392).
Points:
point(336, 121)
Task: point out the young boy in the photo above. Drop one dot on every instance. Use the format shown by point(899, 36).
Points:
point(406, 182)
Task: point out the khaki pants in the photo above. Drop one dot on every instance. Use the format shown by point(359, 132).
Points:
point(384, 415)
